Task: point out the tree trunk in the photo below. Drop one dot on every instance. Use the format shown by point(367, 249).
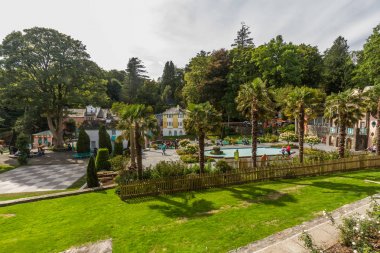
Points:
point(132, 147)
point(57, 131)
point(201, 140)
point(254, 134)
point(301, 131)
point(138, 151)
point(378, 129)
point(342, 135)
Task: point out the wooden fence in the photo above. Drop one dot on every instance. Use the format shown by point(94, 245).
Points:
point(198, 182)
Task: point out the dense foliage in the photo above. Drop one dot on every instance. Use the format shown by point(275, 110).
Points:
point(83, 144)
point(105, 139)
point(92, 177)
point(102, 162)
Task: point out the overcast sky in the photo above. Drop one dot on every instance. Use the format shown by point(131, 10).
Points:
point(160, 30)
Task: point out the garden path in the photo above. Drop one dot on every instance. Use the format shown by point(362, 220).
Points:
point(324, 234)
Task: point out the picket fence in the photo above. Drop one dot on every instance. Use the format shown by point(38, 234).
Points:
point(151, 187)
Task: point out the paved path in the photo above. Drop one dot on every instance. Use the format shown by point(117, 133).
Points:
point(152, 157)
point(324, 234)
point(40, 178)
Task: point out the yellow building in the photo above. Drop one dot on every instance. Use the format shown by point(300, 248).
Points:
point(172, 122)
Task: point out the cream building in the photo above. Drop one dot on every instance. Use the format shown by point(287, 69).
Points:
point(172, 122)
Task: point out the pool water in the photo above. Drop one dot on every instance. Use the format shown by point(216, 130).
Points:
point(245, 152)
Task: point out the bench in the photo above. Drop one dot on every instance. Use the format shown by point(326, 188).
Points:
point(81, 155)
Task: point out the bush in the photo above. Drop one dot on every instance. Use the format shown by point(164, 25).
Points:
point(288, 137)
point(102, 162)
point(168, 169)
point(183, 143)
point(154, 146)
point(22, 144)
point(288, 128)
point(92, 177)
point(118, 148)
point(118, 162)
point(268, 138)
point(223, 166)
point(104, 139)
point(191, 149)
point(83, 144)
point(181, 152)
point(312, 140)
point(5, 167)
point(189, 158)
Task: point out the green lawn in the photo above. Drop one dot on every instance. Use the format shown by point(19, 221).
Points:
point(6, 167)
point(215, 220)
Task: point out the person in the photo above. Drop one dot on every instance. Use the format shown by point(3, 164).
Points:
point(176, 144)
point(163, 148)
point(69, 148)
point(264, 159)
point(288, 150)
point(283, 150)
point(236, 155)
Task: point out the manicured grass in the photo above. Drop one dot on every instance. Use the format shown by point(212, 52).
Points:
point(6, 167)
point(215, 220)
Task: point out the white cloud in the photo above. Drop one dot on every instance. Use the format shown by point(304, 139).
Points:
point(160, 30)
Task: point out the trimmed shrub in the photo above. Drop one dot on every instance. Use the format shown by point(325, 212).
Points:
point(184, 143)
point(312, 140)
point(92, 177)
point(102, 162)
point(216, 151)
point(288, 137)
point(22, 144)
point(189, 158)
point(223, 166)
point(83, 144)
point(268, 138)
point(118, 148)
point(191, 149)
point(105, 139)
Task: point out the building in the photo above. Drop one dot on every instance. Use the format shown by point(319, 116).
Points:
point(94, 137)
point(172, 122)
point(42, 138)
point(90, 114)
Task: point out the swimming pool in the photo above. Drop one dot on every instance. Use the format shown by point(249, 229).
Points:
point(244, 152)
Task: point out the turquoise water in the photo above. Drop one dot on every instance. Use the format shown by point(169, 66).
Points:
point(245, 152)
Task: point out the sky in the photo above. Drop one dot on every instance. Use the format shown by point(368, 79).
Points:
point(157, 31)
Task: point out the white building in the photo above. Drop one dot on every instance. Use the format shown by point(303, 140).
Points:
point(94, 137)
point(172, 122)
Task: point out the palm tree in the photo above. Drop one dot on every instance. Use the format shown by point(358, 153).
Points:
point(254, 101)
point(346, 108)
point(303, 102)
point(127, 125)
point(372, 97)
point(199, 120)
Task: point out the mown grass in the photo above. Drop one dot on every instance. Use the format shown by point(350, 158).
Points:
point(215, 220)
point(6, 167)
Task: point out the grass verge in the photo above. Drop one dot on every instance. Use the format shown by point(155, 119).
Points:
point(215, 220)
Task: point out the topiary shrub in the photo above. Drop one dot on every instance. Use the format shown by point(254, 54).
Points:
point(223, 166)
point(191, 149)
point(22, 144)
point(105, 139)
point(288, 137)
point(312, 140)
point(118, 148)
point(102, 162)
point(189, 158)
point(83, 144)
point(92, 177)
point(183, 143)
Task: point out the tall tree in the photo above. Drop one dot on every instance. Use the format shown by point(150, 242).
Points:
point(136, 74)
point(243, 38)
point(278, 62)
point(49, 70)
point(195, 75)
point(255, 102)
point(302, 103)
point(346, 109)
point(337, 67)
point(199, 120)
point(311, 65)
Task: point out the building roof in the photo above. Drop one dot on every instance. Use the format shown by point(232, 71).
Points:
point(47, 132)
point(174, 110)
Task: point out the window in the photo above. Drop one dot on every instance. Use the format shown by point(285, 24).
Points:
point(180, 123)
point(169, 123)
point(93, 144)
point(180, 132)
point(175, 132)
point(180, 115)
point(113, 132)
point(170, 133)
